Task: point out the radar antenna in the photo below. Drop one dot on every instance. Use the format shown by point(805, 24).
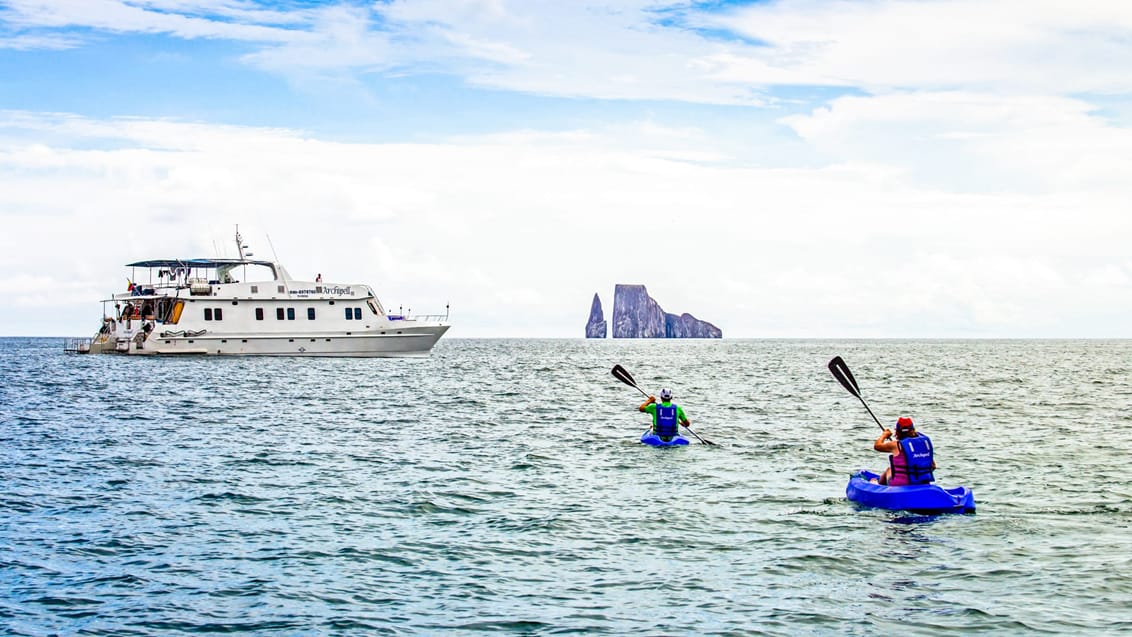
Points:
point(241, 246)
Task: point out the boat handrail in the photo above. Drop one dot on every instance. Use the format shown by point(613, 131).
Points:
point(431, 318)
point(76, 345)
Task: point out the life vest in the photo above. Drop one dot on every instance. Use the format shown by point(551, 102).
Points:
point(666, 425)
point(914, 464)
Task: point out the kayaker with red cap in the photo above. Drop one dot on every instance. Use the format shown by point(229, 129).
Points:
point(911, 458)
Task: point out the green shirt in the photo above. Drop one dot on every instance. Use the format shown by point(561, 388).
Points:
point(651, 409)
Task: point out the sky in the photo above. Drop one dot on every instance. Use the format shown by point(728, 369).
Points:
point(782, 169)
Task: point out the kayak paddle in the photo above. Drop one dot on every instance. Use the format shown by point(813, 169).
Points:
point(623, 375)
point(841, 372)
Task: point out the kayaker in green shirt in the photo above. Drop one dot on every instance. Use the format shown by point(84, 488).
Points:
point(666, 416)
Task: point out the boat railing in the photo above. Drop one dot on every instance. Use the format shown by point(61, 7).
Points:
point(427, 318)
point(76, 345)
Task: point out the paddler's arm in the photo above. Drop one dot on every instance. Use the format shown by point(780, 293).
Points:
point(883, 443)
point(651, 400)
point(683, 419)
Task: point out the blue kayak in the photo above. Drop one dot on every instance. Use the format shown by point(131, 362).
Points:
point(925, 499)
point(649, 438)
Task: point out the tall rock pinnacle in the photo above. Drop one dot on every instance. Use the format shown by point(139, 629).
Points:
point(596, 326)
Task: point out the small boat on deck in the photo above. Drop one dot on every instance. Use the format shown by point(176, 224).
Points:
point(924, 499)
point(248, 307)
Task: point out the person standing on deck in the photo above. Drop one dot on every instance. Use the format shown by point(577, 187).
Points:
point(666, 415)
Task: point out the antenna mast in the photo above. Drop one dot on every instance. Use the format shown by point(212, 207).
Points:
point(272, 246)
point(239, 243)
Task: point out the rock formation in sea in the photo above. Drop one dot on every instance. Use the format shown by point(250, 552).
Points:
point(688, 326)
point(638, 315)
point(596, 326)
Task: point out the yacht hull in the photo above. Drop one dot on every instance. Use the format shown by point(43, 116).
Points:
point(414, 342)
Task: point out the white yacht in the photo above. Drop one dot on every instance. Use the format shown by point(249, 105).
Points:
point(248, 307)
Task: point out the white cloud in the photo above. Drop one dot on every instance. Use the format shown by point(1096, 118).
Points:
point(567, 49)
point(338, 39)
point(967, 141)
point(39, 42)
point(217, 20)
point(518, 231)
point(1005, 45)
point(648, 49)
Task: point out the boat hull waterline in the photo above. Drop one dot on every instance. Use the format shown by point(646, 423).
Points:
point(927, 499)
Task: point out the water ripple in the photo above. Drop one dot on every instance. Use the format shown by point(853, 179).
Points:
point(497, 487)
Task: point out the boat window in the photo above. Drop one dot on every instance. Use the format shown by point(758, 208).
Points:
point(357, 314)
point(290, 314)
point(310, 313)
point(218, 314)
point(208, 314)
point(255, 289)
point(349, 314)
point(281, 290)
point(279, 313)
point(259, 314)
point(372, 307)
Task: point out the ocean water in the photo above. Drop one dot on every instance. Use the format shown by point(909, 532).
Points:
point(497, 487)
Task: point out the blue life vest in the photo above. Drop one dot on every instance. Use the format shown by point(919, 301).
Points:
point(918, 459)
point(666, 424)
